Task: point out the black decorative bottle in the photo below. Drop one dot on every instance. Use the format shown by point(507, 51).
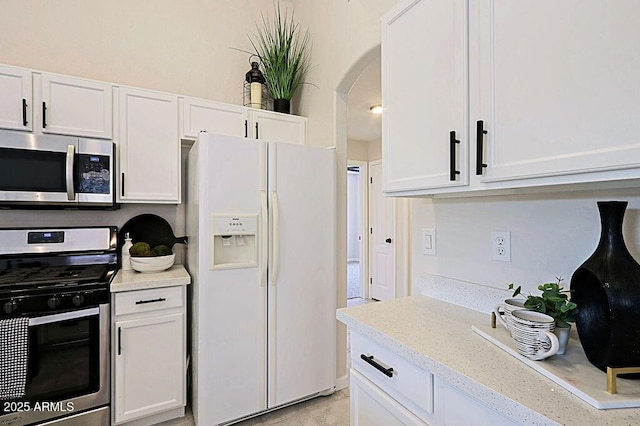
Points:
point(606, 289)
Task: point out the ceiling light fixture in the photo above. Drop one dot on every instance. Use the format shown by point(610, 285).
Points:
point(376, 109)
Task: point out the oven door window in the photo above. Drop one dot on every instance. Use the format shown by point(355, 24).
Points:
point(32, 170)
point(63, 359)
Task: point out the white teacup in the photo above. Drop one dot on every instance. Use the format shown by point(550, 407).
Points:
point(532, 333)
point(508, 306)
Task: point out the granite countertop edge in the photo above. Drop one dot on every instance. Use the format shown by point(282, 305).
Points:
point(467, 361)
point(132, 280)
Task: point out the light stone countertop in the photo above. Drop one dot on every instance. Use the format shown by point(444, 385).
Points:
point(132, 280)
point(437, 336)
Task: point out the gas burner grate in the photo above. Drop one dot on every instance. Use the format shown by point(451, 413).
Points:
point(52, 274)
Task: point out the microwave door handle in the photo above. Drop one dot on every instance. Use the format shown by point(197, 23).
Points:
point(48, 319)
point(71, 195)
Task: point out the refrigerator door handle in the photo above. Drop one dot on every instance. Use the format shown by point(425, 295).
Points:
point(265, 237)
point(275, 241)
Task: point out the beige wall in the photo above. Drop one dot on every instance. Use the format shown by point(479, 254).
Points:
point(166, 45)
point(364, 151)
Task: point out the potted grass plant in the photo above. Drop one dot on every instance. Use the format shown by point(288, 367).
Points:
point(284, 55)
point(554, 302)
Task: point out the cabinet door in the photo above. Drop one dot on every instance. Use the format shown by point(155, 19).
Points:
point(459, 409)
point(424, 94)
point(15, 99)
point(277, 127)
point(370, 406)
point(557, 86)
point(149, 147)
point(72, 106)
point(149, 366)
point(214, 117)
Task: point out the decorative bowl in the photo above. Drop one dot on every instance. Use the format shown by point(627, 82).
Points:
point(152, 263)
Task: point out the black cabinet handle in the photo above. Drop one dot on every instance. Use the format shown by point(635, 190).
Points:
point(480, 132)
point(388, 240)
point(369, 360)
point(24, 112)
point(44, 115)
point(142, 302)
point(119, 340)
point(246, 128)
point(452, 155)
point(256, 130)
point(122, 185)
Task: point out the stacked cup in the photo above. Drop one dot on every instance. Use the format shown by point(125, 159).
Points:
point(532, 333)
point(507, 307)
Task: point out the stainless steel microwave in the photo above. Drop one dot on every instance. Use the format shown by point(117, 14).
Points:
point(49, 170)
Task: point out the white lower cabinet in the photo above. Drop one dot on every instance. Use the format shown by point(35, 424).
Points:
point(149, 350)
point(387, 389)
point(370, 406)
point(459, 409)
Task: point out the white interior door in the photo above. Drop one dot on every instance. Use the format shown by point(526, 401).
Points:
point(381, 237)
point(302, 274)
point(357, 229)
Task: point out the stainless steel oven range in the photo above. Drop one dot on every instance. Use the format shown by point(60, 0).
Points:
point(54, 325)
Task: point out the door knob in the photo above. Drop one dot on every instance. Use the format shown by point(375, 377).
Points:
point(388, 240)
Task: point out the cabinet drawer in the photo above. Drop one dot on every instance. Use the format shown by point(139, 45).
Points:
point(410, 385)
point(132, 302)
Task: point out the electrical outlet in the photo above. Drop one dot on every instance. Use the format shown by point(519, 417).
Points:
point(428, 242)
point(501, 246)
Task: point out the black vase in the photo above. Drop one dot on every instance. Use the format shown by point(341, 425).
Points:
point(606, 289)
point(282, 105)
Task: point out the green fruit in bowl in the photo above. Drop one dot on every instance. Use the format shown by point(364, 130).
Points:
point(162, 250)
point(141, 249)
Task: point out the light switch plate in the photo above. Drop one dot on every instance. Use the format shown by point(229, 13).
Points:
point(428, 242)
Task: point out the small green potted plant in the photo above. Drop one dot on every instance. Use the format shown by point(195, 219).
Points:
point(284, 56)
point(554, 302)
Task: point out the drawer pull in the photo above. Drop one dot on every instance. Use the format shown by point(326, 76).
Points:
point(159, 299)
point(369, 360)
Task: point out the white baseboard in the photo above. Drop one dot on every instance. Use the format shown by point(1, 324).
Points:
point(342, 382)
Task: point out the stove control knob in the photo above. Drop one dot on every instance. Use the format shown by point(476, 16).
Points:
point(53, 302)
point(10, 307)
point(77, 299)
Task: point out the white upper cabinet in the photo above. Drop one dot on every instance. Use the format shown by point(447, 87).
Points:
point(15, 98)
point(275, 126)
point(214, 117)
point(73, 106)
point(149, 147)
point(553, 84)
point(424, 94)
point(557, 86)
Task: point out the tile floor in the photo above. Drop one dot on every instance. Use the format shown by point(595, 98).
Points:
point(332, 410)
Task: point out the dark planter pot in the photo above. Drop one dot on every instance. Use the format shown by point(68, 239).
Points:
point(282, 105)
point(606, 289)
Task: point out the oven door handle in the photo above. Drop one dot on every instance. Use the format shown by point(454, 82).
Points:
point(48, 319)
point(71, 195)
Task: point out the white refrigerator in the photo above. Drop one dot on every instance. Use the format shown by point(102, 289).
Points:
point(261, 221)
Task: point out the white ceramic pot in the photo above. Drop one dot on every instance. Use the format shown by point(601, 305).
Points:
point(563, 338)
